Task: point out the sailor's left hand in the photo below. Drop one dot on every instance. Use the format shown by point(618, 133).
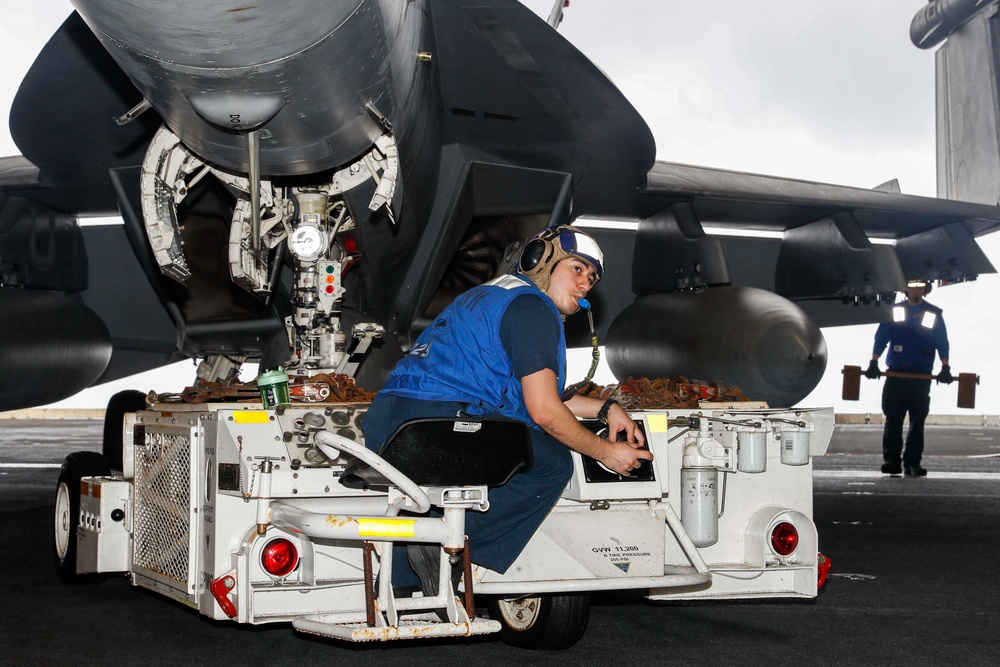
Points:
point(619, 422)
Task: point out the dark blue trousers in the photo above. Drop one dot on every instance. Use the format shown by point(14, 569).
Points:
point(497, 536)
point(899, 397)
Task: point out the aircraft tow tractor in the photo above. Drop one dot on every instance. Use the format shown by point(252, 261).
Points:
point(238, 510)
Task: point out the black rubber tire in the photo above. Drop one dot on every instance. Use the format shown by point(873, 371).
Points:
point(543, 622)
point(75, 467)
point(121, 403)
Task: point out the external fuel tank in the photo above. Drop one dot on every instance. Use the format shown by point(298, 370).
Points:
point(742, 336)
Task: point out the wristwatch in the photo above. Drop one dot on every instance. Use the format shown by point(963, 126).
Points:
point(602, 414)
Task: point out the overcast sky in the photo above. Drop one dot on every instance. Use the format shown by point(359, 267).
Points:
point(824, 90)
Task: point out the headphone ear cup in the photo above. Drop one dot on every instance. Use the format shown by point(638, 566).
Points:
point(535, 256)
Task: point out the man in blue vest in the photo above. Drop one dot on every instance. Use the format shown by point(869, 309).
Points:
point(499, 350)
point(916, 332)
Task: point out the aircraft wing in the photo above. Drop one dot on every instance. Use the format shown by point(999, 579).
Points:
point(758, 202)
point(816, 249)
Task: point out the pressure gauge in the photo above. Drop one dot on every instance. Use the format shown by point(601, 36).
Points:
point(307, 242)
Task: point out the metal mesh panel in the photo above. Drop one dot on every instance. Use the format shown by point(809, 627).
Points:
point(162, 521)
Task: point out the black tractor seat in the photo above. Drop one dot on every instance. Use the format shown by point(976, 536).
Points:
point(449, 451)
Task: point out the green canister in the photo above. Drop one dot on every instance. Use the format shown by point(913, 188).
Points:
point(273, 387)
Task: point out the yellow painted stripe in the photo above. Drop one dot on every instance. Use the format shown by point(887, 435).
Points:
point(251, 417)
point(386, 527)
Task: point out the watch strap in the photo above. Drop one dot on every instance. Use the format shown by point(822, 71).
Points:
point(602, 414)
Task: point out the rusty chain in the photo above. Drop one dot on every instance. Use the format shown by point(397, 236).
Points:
point(677, 392)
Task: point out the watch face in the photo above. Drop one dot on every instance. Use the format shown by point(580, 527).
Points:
point(306, 241)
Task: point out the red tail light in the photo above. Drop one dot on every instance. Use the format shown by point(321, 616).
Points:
point(784, 539)
point(279, 557)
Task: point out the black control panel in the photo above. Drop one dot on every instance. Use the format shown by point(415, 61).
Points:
point(597, 472)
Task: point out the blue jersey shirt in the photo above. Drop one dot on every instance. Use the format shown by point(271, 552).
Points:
point(461, 357)
point(912, 339)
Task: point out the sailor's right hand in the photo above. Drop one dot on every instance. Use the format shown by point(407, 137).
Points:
point(624, 457)
point(873, 372)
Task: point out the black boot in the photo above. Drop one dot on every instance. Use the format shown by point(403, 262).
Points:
point(425, 559)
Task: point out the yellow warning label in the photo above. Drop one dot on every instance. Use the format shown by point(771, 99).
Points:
point(657, 423)
point(386, 527)
point(250, 417)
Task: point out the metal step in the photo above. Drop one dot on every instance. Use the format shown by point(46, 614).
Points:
point(360, 632)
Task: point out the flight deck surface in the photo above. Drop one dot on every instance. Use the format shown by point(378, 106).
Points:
point(912, 581)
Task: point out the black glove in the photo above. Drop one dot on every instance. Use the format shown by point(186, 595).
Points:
point(873, 372)
point(944, 377)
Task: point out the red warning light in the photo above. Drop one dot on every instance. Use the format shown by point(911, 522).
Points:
point(784, 538)
point(279, 557)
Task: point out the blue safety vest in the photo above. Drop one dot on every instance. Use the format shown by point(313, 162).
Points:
point(912, 338)
point(460, 356)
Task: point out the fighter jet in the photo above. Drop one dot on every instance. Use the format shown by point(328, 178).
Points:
point(303, 182)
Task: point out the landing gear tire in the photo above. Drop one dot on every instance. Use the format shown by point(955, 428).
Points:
point(114, 416)
point(543, 622)
point(75, 467)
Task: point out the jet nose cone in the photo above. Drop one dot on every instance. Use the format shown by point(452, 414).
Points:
point(791, 356)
